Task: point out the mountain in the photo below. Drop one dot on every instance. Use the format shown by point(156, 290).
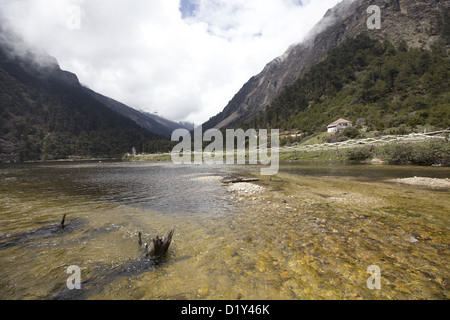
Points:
point(45, 113)
point(373, 83)
point(151, 122)
point(418, 23)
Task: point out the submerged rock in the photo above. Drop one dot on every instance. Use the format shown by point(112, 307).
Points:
point(413, 240)
point(425, 182)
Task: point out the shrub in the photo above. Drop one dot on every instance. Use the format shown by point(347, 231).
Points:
point(435, 152)
point(338, 137)
point(351, 133)
point(402, 130)
point(399, 153)
point(432, 152)
point(360, 154)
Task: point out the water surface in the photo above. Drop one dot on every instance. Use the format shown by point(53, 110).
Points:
point(311, 235)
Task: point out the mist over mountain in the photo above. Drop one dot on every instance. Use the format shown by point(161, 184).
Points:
point(152, 122)
point(45, 113)
point(417, 23)
point(395, 75)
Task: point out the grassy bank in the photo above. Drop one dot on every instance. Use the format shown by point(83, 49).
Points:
point(335, 155)
point(435, 152)
point(148, 158)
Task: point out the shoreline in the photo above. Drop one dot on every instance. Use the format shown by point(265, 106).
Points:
point(340, 225)
point(425, 154)
point(63, 160)
point(424, 182)
point(252, 190)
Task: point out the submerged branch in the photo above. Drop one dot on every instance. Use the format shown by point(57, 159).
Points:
point(239, 180)
point(159, 247)
point(63, 221)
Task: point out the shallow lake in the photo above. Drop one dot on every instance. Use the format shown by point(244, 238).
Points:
point(311, 235)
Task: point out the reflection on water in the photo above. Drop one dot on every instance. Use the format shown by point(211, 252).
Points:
point(311, 235)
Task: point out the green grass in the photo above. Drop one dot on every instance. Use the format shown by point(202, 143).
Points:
point(334, 155)
point(149, 158)
point(434, 152)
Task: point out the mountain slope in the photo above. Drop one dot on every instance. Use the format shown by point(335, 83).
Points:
point(46, 114)
point(150, 122)
point(417, 22)
point(388, 86)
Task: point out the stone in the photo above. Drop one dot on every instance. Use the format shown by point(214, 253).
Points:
point(285, 276)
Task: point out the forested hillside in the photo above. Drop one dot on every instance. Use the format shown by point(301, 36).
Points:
point(45, 114)
point(389, 85)
point(409, 30)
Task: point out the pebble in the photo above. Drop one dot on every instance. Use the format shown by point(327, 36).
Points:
point(285, 276)
point(246, 188)
point(203, 291)
point(441, 281)
point(413, 240)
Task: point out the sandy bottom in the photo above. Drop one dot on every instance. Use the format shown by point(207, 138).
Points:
point(426, 182)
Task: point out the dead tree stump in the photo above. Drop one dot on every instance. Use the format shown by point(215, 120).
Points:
point(158, 247)
point(63, 221)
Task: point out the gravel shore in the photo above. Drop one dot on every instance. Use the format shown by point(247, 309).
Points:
point(245, 188)
point(426, 182)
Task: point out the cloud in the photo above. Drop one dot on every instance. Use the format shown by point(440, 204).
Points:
point(184, 58)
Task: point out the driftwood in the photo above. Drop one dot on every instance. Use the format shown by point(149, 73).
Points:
point(239, 180)
point(140, 239)
point(63, 221)
point(158, 247)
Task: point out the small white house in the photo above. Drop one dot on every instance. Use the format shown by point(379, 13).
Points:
point(339, 125)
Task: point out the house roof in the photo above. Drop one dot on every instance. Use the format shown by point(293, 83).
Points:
point(337, 122)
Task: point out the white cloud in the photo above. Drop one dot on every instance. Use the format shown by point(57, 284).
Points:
point(146, 55)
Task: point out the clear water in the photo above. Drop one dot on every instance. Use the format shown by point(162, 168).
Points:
point(311, 235)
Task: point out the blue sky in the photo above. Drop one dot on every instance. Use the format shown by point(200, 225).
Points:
point(185, 58)
point(187, 8)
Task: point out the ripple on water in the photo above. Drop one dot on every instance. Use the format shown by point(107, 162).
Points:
point(299, 238)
